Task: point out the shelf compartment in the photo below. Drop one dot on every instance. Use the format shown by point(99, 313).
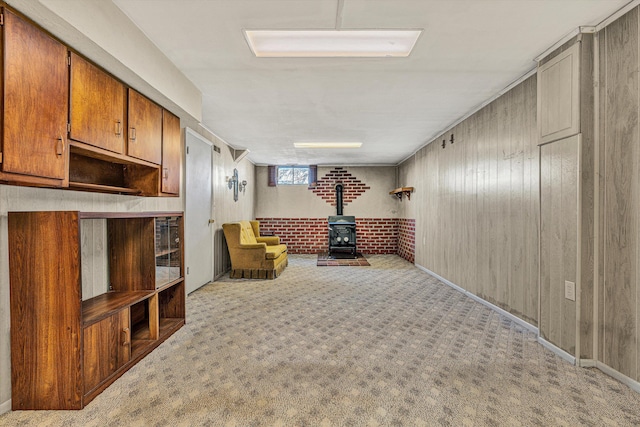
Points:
point(89, 171)
point(169, 326)
point(105, 305)
point(171, 302)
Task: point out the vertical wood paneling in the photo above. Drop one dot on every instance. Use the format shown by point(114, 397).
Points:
point(545, 242)
point(531, 208)
point(621, 201)
point(470, 192)
point(479, 201)
point(484, 154)
point(555, 241)
point(493, 208)
point(601, 219)
point(502, 199)
point(587, 206)
point(569, 223)
point(558, 240)
point(517, 196)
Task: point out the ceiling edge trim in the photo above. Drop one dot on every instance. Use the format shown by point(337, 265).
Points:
point(617, 14)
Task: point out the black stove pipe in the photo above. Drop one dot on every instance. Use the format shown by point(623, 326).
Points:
point(339, 199)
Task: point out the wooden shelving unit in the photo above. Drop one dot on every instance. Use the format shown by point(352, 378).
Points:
point(399, 192)
point(65, 351)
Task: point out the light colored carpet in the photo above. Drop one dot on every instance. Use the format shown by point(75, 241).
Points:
point(382, 345)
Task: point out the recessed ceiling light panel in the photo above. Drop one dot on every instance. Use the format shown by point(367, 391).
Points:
point(331, 43)
point(327, 144)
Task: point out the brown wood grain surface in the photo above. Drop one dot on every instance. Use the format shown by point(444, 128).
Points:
point(36, 93)
point(107, 347)
point(45, 310)
point(145, 128)
point(171, 153)
point(131, 254)
point(97, 106)
point(621, 196)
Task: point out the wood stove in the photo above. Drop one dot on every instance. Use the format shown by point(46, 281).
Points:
point(342, 231)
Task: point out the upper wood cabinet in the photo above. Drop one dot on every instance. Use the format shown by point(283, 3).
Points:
point(67, 123)
point(145, 129)
point(36, 91)
point(559, 96)
point(97, 107)
point(171, 153)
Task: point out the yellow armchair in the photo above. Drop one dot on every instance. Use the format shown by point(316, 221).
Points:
point(254, 256)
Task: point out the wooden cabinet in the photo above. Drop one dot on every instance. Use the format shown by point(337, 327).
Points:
point(116, 142)
point(107, 347)
point(36, 91)
point(171, 153)
point(98, 106)
point(145, 129)
point(65, 351)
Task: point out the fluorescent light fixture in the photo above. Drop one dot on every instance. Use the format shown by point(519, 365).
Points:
point(327, 144)
point(331, 43)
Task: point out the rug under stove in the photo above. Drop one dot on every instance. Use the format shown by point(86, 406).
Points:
point(324, 260)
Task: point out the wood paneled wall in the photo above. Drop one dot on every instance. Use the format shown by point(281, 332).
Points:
point(567, 202)
point(478, 203)
point(559, 240)
point(619, 238)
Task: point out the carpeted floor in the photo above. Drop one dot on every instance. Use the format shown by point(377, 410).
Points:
point(341, 260)
point(384, 345)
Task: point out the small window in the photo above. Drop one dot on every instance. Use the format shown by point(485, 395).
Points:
point(293, 175)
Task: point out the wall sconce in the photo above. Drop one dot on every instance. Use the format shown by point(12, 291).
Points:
point(234, 183)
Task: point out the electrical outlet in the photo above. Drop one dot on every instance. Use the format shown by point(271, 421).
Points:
point(569, 290)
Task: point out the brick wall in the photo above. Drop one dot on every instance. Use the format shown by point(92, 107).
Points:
point(407, 239)
point(377, 235)
point(374, 235)
point(352, 187)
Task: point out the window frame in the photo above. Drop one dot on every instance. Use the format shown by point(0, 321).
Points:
point(293, 175)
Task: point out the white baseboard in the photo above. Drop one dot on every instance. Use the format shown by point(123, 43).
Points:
point(476, 298)
point(557, 350)
point(630, 382)
point(5, 406)
point(583, 363)
point(588, 363)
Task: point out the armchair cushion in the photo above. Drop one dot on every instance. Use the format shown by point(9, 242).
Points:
point(253, 256)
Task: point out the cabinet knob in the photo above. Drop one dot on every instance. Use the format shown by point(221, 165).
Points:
point(165, 173)
point(118, 128)
point(132, 134)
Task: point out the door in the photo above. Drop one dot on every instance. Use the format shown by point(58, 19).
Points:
point(198, 199)
point(36, 94)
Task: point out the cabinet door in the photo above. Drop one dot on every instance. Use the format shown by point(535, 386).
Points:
point(145, 129)
point(97, 106)
point(170, 153)
point(36, 93)
point(559, 96)
point(107, 346)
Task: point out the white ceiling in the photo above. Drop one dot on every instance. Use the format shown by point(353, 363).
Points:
point(468, 52)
